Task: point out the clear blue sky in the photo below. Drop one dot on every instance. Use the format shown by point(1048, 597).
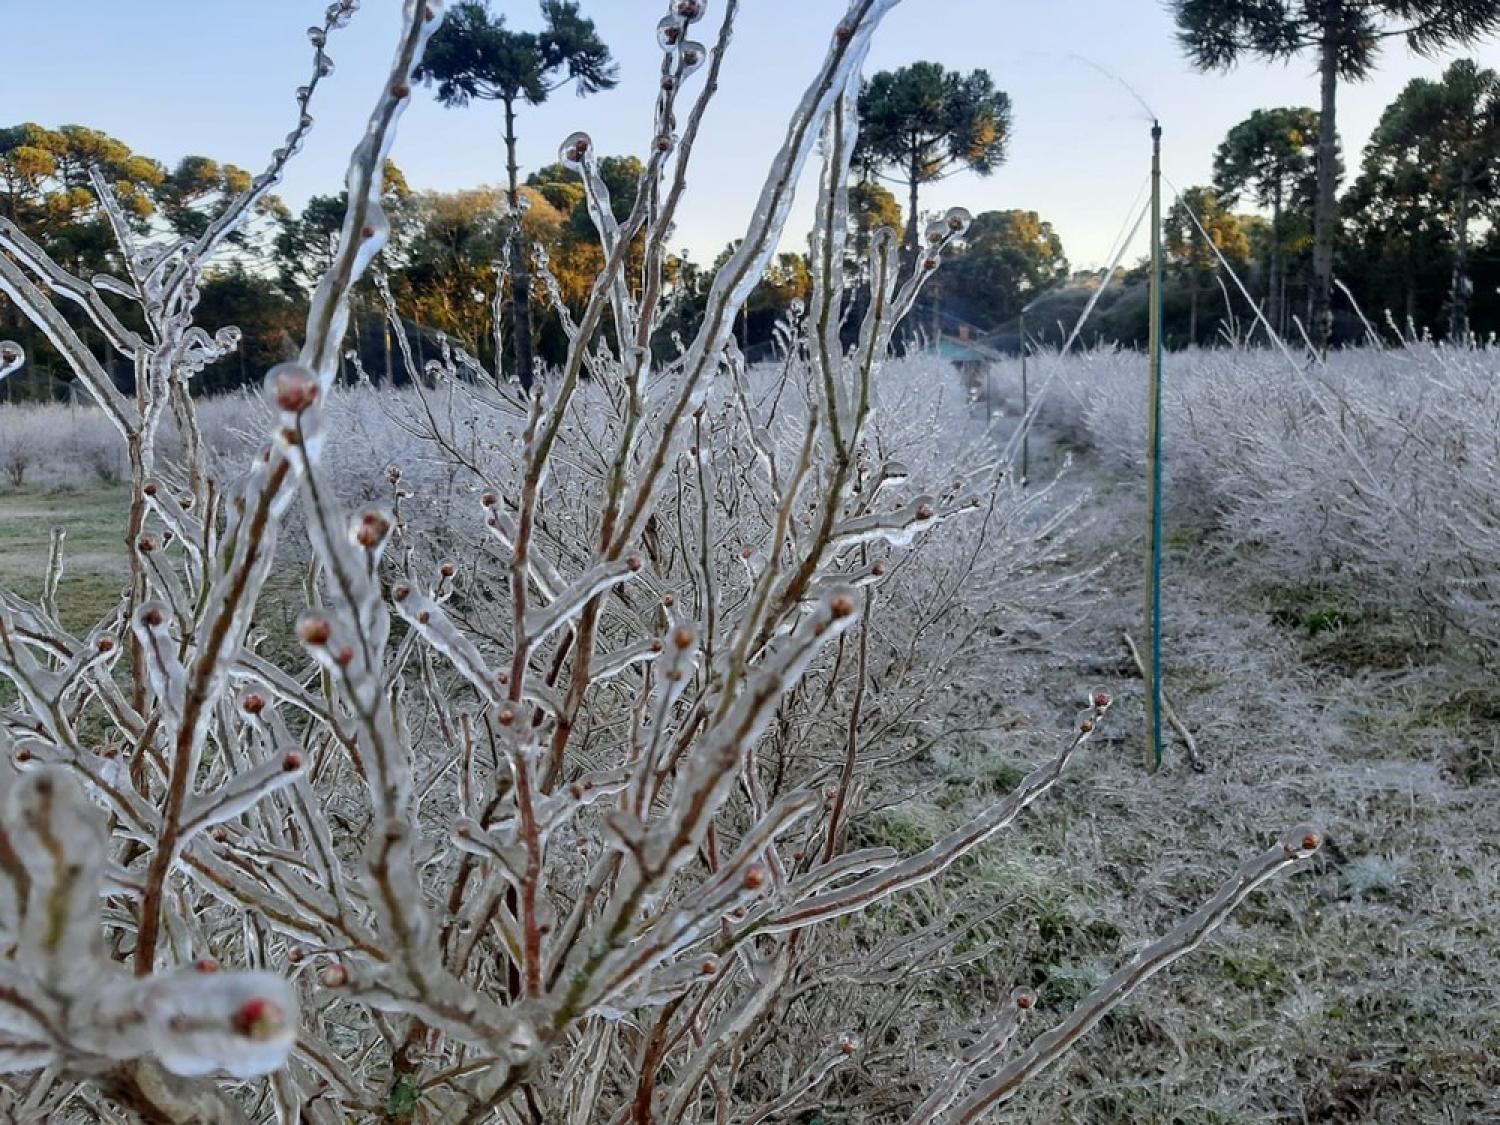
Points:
point(215, 77)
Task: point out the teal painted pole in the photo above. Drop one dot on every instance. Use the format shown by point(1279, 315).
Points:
point(1025, 408)
point(1154, 698)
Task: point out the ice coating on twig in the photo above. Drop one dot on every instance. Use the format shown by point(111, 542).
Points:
point(64, 1002)
point(1297, 845)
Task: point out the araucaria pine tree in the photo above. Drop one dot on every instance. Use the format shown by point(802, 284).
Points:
point(1345, 37)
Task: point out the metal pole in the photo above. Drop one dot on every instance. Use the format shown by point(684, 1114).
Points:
point(1154, 700)
point(1025, 409)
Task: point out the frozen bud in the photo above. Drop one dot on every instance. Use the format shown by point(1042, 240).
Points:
point(689, 9)
point(104, 644)
point(22, 754)
point(668, 33)
point(574, 149)
point(167, 536)
point(400, 90)
point(205, 965)
point(663, 143)
point(241, 1023)
point(502, 678)
point(334, 975)
point(295, 954)
point(489, 499)
point(710, 966)
point(447, 570)
point(1101, 700)
point(1086, 726)
point(958, 220)
point(367, 231)
point(935, 233)
point(400, 592)
point(683, 637)
point(925, 511)
point(314, 629)
point(843, 33)
point(841, 605)
point(293, 386)
point(755, 877)
point(423, 617)
point(633, 563)
point(1024, 999)
point(669, 83)
point(185, 503)
point(153, 616)
point(746, 553)
point(253, 703)
point(393, 474)
point(830, 791)
point(656, 645)
point(292, 762)
point(668, 600)
point(146, 543)
point(372, 529)
point(878, 568)
point(149, 488)
point(1302, 841)
point(848, 1044)
point(691, 57)
point(317, 37)
point(507, 717)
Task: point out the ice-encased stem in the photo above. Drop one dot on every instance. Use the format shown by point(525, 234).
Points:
point(1296, 846)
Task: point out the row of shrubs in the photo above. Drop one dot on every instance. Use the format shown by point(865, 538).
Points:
point(1375, 474)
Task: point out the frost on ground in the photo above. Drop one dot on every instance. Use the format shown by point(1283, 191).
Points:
point(651, 745)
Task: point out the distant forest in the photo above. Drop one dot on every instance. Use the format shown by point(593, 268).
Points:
point(1416, 249)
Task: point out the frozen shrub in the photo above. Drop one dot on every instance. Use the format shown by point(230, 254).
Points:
point(549, 813)
point(17, 460)
point(1377, 472)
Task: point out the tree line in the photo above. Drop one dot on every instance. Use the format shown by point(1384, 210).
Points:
point(1411, 243)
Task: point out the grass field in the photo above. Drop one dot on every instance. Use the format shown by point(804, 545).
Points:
point(94, 569)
